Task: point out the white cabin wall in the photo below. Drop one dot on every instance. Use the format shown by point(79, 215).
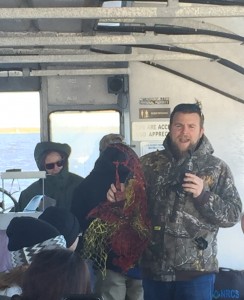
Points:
point(224, 126)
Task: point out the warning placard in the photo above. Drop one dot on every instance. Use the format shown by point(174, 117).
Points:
point(149, 131)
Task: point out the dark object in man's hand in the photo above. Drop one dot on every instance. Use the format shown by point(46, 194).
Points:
point(201, 243)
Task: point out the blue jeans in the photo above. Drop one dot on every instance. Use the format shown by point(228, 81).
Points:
point(200, 288)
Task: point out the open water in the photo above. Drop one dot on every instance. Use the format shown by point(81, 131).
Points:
point(17, 152)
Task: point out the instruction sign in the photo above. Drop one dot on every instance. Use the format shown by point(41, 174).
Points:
point(154, 100)
point(153, 113)
point(149, 131)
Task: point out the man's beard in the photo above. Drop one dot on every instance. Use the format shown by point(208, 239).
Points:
point(178, 154)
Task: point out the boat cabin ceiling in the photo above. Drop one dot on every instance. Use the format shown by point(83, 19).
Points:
point(197, 40)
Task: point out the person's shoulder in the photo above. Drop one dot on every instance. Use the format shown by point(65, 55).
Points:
point(216, 161)
point(152, 156)
point(32, 186)
point(93, 179)
point(76, 177)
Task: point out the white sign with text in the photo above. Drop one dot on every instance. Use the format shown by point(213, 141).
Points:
point(149, 131)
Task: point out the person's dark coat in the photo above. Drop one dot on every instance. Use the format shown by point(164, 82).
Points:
point(93, 189)
point(92, 192)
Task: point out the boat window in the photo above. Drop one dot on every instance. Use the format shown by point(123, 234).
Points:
point(82, 131)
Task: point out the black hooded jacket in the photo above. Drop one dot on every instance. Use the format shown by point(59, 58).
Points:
point(93, 189)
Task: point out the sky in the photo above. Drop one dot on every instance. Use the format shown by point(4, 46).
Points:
point(20, 109)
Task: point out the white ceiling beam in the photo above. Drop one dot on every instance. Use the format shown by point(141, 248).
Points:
point(96, 58)
point(122, 13)
point(18, 40)
point(63, 72)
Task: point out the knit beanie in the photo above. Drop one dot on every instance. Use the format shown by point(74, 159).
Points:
point(28, 236)
point(108, 139)
point(62, 219)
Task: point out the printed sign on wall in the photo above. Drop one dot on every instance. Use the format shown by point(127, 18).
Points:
point(153, 113)
point(149, 131)
point(154, 100)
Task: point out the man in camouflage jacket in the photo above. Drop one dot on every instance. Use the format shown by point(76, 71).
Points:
point(191, 193)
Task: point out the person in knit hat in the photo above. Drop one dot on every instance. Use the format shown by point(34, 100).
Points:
point(66, 223)
point(27, 236)
point(60, 183)
point(111, 138)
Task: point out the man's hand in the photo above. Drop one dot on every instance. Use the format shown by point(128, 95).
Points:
point(193, 184)
point(113, 195)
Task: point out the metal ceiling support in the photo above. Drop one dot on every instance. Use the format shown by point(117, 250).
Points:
point(95, 58)
point(123, 13)
point(64, 72)
point(41, 51)
point(173, 3)
point(20, 40)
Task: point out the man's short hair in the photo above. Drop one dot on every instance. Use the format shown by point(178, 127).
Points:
point(188, 108)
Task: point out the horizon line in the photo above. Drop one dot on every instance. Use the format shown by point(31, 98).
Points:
point(20, 130)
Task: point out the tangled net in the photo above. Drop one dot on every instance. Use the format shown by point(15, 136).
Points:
point(121, 227)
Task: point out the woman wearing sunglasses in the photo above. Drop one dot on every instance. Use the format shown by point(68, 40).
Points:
point(59, 183)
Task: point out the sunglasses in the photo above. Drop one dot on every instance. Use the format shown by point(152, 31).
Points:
point(51, 166)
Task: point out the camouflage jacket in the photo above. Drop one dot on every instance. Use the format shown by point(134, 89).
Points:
point(185, 229)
